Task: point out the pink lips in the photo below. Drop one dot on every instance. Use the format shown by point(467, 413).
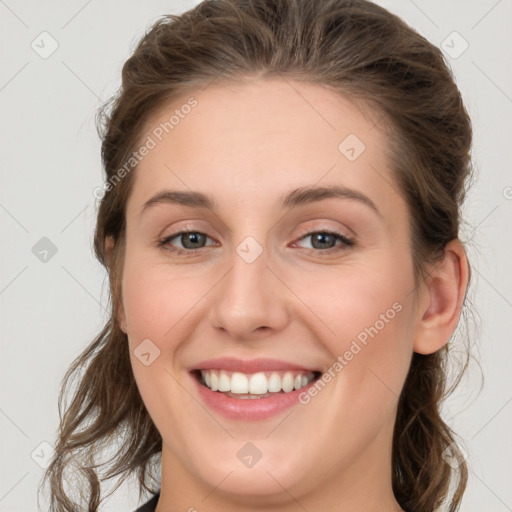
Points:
point(249, 366)
point(248, 409)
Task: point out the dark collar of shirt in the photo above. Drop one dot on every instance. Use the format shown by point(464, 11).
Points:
point(150, 506)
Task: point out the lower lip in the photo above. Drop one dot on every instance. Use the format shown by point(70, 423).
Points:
point(249, 409)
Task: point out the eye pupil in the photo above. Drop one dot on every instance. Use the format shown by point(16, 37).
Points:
point(321, 238)
point(193, 237)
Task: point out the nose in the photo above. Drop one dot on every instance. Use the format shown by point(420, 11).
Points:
point(250, 299)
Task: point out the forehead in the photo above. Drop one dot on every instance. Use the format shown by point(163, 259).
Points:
point(261, 138)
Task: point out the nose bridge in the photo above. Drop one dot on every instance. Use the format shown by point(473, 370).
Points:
point(249, 296)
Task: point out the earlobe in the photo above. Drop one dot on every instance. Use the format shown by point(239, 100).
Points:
point(444, 291)
point(109, 252)
point(121, 318)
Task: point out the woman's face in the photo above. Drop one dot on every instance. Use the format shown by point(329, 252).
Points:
point(259, 281)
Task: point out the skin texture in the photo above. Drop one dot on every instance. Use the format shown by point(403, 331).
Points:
point(247, 146)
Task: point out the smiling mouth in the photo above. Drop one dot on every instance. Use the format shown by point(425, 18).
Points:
point(256, 385)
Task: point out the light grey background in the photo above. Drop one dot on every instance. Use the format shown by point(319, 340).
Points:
point(50, 164)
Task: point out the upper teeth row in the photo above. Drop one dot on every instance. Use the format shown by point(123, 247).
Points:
point(256, 383)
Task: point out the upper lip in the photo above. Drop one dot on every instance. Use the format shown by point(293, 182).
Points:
point(249, 366)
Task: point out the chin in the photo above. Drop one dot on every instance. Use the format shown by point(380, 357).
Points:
point(266, 478)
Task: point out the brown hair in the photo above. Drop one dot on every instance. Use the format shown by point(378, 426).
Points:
point(363, 52)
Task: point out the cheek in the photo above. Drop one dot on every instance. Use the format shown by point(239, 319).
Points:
point(155, 297)
point(364, 316)
point(357, 302)
point(161, 305)
point(156, 304)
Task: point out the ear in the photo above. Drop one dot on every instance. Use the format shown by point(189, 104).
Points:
point(109, 251)
point(442, 296)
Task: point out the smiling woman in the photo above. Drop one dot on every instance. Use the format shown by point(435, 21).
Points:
point(284, 266)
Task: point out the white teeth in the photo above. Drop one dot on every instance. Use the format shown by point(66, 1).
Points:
point(224, 383)
point(287, 382)
point(274, 383)
point(214, 381)
point(239, 383)
point(259, 383)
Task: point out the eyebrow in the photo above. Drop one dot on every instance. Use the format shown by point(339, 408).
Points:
point(297, 197)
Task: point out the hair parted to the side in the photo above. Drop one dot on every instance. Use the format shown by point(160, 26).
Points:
point(366, 54)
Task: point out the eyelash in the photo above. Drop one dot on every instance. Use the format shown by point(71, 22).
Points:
point(346, 243)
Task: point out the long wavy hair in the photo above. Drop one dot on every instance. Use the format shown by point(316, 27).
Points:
point(366, 54)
